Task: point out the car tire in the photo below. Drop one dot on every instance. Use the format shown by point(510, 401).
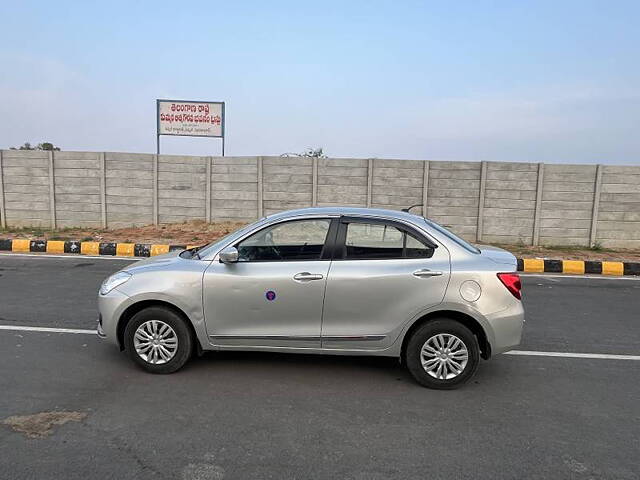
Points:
point(158, 339)
point(432, 364)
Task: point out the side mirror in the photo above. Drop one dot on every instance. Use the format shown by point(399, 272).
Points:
point(229, 255)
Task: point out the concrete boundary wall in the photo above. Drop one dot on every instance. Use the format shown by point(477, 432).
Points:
point(500, 202)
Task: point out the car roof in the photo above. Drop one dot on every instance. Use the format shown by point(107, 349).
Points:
point(349, 211)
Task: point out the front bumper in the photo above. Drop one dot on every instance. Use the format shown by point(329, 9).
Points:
point(110, 307)
point(99, 327)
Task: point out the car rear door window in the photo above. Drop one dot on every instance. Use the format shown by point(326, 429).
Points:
point(289, 241)
point(370, 241)
point(381, 241)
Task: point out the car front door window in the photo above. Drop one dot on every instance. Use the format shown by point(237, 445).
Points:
point(291, 241)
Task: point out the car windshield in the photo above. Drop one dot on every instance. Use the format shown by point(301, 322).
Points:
point(451, 236)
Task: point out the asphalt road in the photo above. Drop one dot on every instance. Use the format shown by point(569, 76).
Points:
point(239, 415)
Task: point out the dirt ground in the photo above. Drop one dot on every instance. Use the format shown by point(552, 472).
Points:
point(573, 253)
point(201, 232)
point(188, 233)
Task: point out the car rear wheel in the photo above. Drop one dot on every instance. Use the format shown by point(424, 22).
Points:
point(442, 354)
point(158, 340)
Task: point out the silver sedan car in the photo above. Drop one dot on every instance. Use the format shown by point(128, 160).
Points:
point(343, 281)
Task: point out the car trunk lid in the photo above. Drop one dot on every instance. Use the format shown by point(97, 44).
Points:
point(498, 255)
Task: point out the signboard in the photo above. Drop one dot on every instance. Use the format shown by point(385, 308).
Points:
point(189, 119)
point(193, 119)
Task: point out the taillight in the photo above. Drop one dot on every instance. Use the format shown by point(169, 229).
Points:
point(512, 282)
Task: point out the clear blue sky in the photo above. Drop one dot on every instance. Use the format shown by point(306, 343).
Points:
point(552, 81)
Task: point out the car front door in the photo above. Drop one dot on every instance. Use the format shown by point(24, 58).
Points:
point(383, 274)
point(273, 295)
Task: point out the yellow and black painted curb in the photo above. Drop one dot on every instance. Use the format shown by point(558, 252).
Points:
point(578, 267)
point(20, 245)
point(528, 265)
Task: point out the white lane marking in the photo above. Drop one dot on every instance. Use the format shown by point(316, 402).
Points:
point(587, 277)
point(72, 256)
point(604, 356)
point(21, 328)
point(601, 356)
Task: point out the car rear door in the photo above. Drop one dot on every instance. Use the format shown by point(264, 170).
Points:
point(273, 295)
point(383, 274)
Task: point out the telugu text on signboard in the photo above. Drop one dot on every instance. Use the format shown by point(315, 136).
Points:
point(198, 119)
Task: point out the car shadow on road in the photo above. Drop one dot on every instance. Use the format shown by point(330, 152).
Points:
point(336, 371)
point(321, 369)
point(290, 363)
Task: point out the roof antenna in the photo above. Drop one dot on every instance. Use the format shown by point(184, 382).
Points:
point(412, 206)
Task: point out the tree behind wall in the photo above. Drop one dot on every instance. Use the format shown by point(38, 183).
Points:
point(309, 152)
point(47, 146)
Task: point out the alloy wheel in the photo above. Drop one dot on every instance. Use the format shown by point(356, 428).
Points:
point(444, 356)
point(155, 342)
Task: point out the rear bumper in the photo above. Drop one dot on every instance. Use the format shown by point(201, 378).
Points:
point(507, 326)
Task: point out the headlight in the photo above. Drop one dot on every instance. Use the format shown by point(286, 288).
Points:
point(114, 281)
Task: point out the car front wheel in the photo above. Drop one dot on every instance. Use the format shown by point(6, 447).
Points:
point(442, 354)
point(158, 340)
